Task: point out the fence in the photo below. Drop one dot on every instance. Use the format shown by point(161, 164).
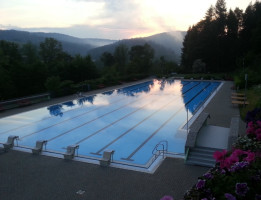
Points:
point(24, 101)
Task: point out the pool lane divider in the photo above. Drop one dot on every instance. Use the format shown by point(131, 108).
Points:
point(70, 111)
point(133, 127)
point(192, 87)
point(100, 129)
point(154, 133)
point(164, 124)
point(125, 105)
point(79, 116)
point(96, 132)
point(98, 153)
point(198, 93)
point(126, 132)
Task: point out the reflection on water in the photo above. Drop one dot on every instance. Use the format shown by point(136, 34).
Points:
point(135, 89)
point(159, 87)
point(108, 92)
point(69, 104)
point(56, 110)
point(83, 100)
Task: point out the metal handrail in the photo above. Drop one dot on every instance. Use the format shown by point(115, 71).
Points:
point(157, 152)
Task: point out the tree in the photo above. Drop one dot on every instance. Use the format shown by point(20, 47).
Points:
point(199, 66)
point(121, 57)
point(210, 14)
point(50, 50)
point(107, 59)
point(141, 58)
point(7, 87)
point(221, 15)
point(29, 53)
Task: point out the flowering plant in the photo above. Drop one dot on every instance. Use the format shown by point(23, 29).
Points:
point(237, 174)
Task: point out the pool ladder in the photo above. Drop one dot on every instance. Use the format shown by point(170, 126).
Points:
point(160, 148)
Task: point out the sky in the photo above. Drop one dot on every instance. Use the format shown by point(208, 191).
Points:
point(109, 19)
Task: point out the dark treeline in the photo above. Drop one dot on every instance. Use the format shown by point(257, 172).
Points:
point(26, 70)
point(225, 41)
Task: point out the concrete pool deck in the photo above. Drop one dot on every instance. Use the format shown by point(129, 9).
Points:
point(24, 176)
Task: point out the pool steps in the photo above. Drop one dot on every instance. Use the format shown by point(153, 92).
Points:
point(10, 142)
point(107, 158)
point(39, 146)
point(202, 156)
point(70, 151)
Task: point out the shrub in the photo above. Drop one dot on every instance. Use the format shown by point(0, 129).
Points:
point(237, 173)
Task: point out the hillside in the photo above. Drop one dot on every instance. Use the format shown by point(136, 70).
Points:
point(71, 45)
point(167, 44)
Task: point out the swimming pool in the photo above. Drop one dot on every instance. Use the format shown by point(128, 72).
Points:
point(131, 121)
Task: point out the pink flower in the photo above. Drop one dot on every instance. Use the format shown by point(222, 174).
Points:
point(250, 130)
point(258, 154)
point(250, 124)
point(232, 159)
point(250, 157)
point(219, 156)
point(258, 137)
point(258, 131)
point(167, 198)
point(238, 152)
point(259, 123)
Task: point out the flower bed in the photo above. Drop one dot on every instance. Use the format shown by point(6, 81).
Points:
point(237, 174)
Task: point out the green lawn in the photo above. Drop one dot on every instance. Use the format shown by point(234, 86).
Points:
point(254, 99)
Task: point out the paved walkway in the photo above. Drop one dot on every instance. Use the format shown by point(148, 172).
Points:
point(24, 176)
point(220, 107)
point(221, 110)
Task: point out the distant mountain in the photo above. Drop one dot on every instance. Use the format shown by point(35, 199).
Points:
point(164, 44)
point(71, 45)
point(167, 44)
point(172, 40)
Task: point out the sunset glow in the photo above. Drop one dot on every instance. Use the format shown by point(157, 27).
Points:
point(106, 19)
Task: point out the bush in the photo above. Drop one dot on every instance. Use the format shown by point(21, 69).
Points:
point(52, 84)
point(237, 173)
point(57, 88)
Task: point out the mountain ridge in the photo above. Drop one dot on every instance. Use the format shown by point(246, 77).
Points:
point(167, 44)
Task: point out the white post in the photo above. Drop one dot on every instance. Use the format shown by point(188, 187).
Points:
point(245, 89)
point(187, 120)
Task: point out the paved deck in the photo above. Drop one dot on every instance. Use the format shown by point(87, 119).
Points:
point(24, 176)
point(221, 110)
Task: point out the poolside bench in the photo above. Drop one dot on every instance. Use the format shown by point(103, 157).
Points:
point(107, 157)
point(194, 130)
point(240, 102)
point(10, 142)
point(70, 152)
point(39, 147)
point(238, 94)
point(238, 98)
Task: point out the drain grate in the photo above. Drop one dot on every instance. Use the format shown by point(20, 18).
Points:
point(80, 192)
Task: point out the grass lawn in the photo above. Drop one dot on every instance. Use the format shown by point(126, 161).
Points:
point(254, 99)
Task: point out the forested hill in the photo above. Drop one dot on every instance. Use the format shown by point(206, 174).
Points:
point(71, 45)
point(164, 44)
point(225, 41)
point(167, 44)
point(30, 66)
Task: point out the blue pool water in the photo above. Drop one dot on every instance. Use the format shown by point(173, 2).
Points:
point(130, 120)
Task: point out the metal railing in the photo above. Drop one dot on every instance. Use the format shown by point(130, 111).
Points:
point(160, 149)
point(24, 101)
